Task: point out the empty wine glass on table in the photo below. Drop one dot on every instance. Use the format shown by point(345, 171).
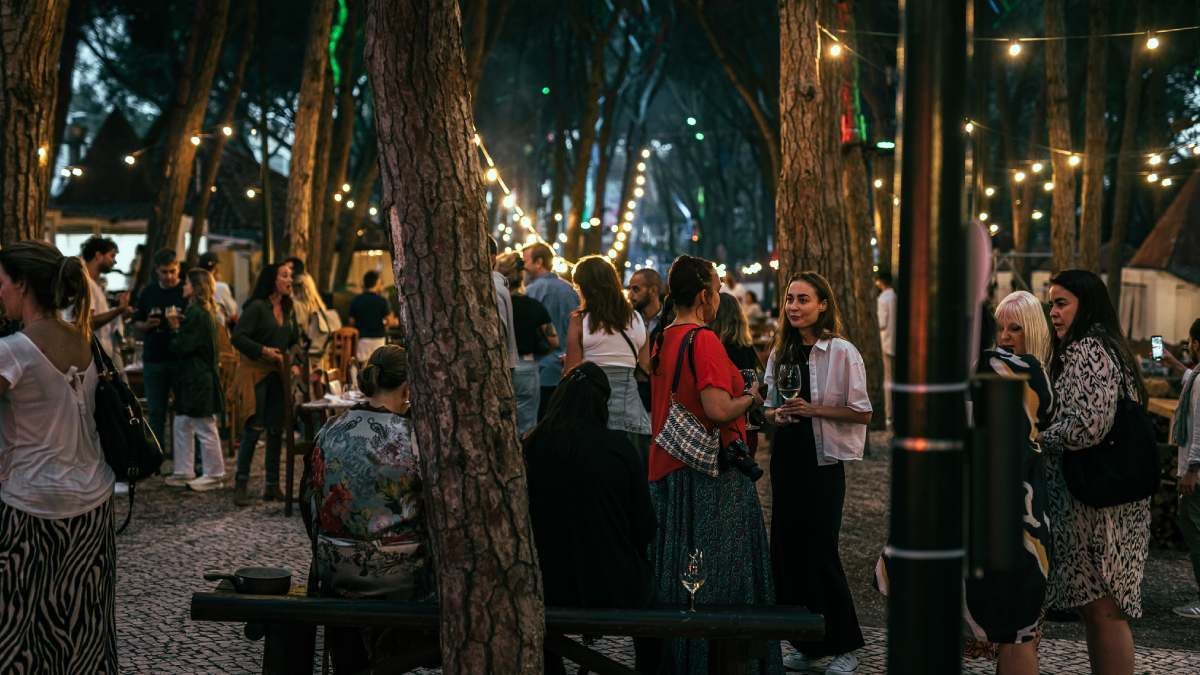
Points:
point(692, 577)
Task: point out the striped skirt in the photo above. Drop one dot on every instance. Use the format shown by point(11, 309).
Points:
point(57, 588)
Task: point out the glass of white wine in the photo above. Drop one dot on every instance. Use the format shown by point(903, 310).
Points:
point(693, 576)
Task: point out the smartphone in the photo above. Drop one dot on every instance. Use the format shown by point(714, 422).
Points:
point(1156, 347)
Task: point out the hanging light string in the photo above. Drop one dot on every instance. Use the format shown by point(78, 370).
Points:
point(1192, 147)
point(1048, 38)
point(839, 46)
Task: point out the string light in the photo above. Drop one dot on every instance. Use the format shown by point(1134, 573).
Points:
point(130, 160)
point(969, 127)
point(1048, 186)
point(373, 211)
point(492, 175)
point(345, 187)
point(250, 193)
point(1152, 178)
point(639, 192)
point(1019, 176)
point(1074, 159)
point(1154, 160)
point(1014, 49)
point(835, 50)
point(983, 216)
point(76, 171)
point(212, 188)
point(558, 217)
point(1037, 167)
point(691, 121)
point(1036, 215)
point(349, 203)
point(195, 140)
point(878, 183)
point(337, 197)
point(989, 191)
point(1151, 41)
point(641, 166)
point(993, 228)
point(509, 201)
point(227, 130)
point(645, 153)
point(1167, 182)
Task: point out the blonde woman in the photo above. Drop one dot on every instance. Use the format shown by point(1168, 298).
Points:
point(197, 386)
point(313, 317)
point(1022, 328)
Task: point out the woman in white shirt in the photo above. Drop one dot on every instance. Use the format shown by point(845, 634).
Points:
point(57, 545)
point(821, 415)
point(608, 332)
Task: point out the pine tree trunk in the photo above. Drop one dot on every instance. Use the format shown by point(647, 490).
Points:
point(463, 407)
point(1126, 177)
point(343, 138)
point(31, 36)
point(1058, 113)
point(322, 188)
point(860, 227)
point(1095, 140)
point(217, 149)
point(368, 173)
point(883, 167)
point(812, 231)
point(587, 138)
point(307, 128)
point(185, 120)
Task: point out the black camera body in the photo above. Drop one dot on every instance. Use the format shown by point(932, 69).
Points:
point(737, 455)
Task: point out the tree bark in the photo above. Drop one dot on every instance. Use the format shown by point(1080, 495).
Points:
point(1058, 112)
point(607, 148)
point(883, 167)
point(297, 223)
point(228, 110)
point(343, 138)
point(368, 173)
point(185, 120)
point(1095, 140)
point(76, 17)
point(488, 579)
point(322, 187)
point(587, 138)
point(1126, 178)
point(31, 36)
point(812, 232)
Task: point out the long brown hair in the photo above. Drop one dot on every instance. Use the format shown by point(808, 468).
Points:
point(731, 325)
point(55, 281)
point(687, 279)
point(203, 288)
point(604, 305)
point(788, 338)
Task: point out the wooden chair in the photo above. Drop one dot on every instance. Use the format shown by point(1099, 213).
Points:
point(342, 347)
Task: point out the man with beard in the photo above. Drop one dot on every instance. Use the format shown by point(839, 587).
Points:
point(100, 257)
point(645, 294)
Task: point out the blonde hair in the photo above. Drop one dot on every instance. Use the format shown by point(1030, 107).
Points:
point(203, 288)
point(731, 325)
point(510, 265)
point(305, 298)
point(1022, 307)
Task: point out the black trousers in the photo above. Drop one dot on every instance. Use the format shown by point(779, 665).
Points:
point(806, 523)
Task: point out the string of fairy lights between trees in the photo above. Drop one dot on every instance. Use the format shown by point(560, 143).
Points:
point(517, 229)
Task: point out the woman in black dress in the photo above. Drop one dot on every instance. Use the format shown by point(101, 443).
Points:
point(264, 334)
point(590, 505)
point(734, 330)
point(822, 421)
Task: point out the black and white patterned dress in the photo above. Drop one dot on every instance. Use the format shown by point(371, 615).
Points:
point(1097, 551)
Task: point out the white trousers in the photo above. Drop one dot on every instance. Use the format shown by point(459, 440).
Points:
point(204, 429)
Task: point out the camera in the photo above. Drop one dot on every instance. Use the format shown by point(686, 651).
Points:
point(737, 456)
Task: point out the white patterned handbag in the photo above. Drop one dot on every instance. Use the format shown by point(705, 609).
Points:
point(683, 436)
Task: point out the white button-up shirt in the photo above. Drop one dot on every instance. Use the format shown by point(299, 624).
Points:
point(885, 307)
point(838, 378)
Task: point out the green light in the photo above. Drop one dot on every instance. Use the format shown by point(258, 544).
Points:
point(886, 145)
point(691, 121)
point(699, 136)
point(545, 91)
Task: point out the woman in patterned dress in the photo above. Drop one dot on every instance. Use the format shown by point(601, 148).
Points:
point(1100, 553)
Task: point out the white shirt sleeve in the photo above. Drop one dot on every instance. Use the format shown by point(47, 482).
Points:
point(769, 379)
point(11, 368)
point(856, 386)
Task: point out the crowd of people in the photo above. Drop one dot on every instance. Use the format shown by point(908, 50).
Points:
point(639, 408)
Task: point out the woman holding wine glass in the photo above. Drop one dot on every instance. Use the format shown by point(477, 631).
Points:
point(710, 537)
point(817, 398)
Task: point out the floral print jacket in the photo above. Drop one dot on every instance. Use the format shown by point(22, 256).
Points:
point(371, 534)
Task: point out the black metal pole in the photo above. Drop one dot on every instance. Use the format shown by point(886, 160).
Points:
point(926, 547)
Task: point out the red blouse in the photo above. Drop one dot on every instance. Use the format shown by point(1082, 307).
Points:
point(713, 369)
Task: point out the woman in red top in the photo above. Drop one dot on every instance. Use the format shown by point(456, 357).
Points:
point(720, 516)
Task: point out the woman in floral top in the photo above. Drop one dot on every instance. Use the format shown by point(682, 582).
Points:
point(370, 529)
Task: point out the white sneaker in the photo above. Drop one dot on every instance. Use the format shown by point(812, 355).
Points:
point(206, 483)
point(796, 662)
point(1191, 611)
point(120, 489)
point(842, 665)
point(176, 480)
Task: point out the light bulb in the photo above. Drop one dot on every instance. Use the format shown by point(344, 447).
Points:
point(640, 180)
point(1048, 186)
point(195, 140)
point(878, 183)
point(345, 187)
point(212, 188)
point(509, 200)
point(1019, 176)
point(639, 192)
point(526, 222)
point(1037, 167)
point(1152, 178)
point(492, 175)
point(969, 127)
point(983, 216)
point(227, 130)
point(349, 203)
point(629, 215)
point(1154, 160)
point(1152, 41)
point(645, 153)
point(691, 121)
point(835, 50)
point(130, 160)
point(373, 211)
point(1167, 182)
point(641, 166)
point(558, 217)
point(989, 191)
point(993, 228)
point(1014, 48)
point(874, 241)
point(1074, 160)
point(250, 193)
point(1037, 215)
point(337, 197)
point(76, 171)
point(631, 204)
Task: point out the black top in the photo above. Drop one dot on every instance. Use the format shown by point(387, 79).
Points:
point(368, 311)
point(592, 519)
point(745, 358)
point(257, 328)
point(529, 316)
point(800, 430)
point(157, 341)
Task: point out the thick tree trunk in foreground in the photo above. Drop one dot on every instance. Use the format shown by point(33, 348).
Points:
point(30, 39)
point(811, 231)
point(1095, 141)
point(217, 149)
point(185, 120)
point(304, 144)
point(488, 578)
point(1126, 178)
point(1058, 113)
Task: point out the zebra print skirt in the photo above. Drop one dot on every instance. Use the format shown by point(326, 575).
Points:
point(57, 588)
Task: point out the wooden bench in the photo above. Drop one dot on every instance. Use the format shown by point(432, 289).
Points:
point(735, 633)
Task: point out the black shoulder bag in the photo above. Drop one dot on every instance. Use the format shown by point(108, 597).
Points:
point(129, 445)
point(1121, 468)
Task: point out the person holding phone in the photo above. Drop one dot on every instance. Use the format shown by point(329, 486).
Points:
point(817, 393)
point(1185, 433)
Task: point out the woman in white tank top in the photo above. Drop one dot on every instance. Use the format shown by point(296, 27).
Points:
point(608, 332)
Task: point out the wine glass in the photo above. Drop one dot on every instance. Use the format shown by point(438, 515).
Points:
point(789, 381)
point(693, 576)
point(750, 379)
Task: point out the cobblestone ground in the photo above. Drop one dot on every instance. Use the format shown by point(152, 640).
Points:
point(177, 535)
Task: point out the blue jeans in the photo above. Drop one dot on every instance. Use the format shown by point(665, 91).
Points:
point(156, 378)
point(528, 391)
point(246, 453)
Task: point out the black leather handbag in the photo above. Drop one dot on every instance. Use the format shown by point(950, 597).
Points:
point(1123, 467)
point(130, 446)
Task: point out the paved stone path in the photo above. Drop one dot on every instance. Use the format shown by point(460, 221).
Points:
point(177, 535)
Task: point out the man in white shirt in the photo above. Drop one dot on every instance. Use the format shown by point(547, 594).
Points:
point(222, 294)
point(885, 307)
point(99, 256)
